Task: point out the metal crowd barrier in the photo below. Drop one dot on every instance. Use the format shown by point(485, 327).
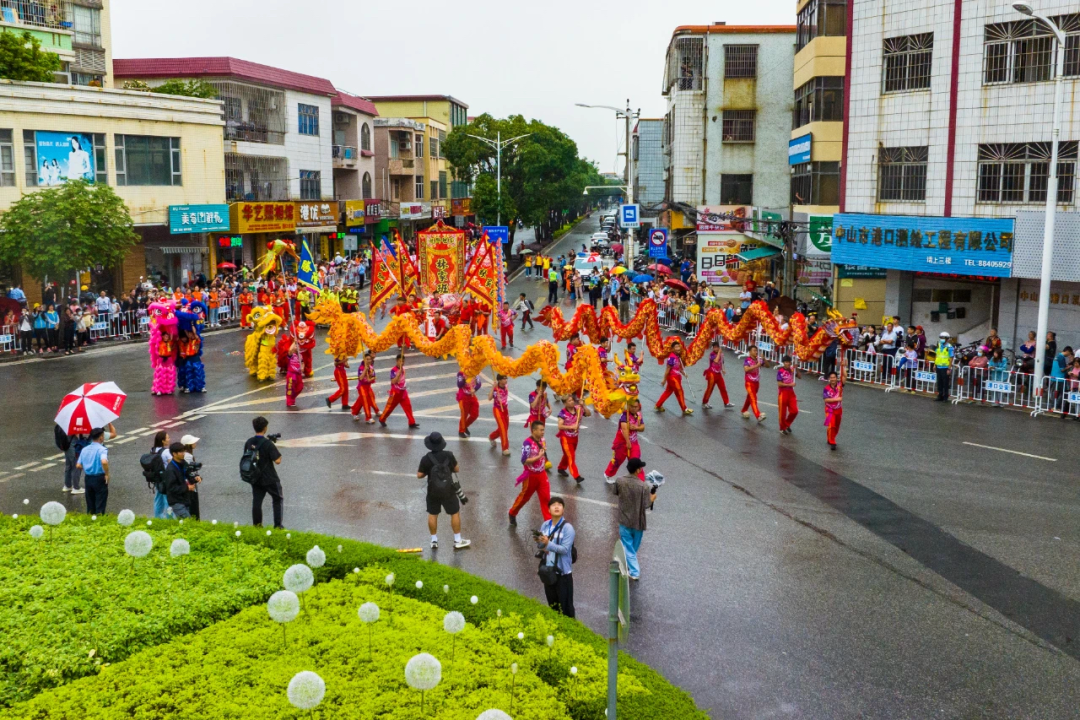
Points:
point(1001, 388)
point(1058, 395)
point(918, 376)
point(9, 338)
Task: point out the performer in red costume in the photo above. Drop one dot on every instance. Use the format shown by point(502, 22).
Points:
point(752, 366)
point(714, 374)
point(569, 423)
point(398, 395)
point(533, 454)
point(365, 396)
point(673, 376)
point(402, 308)
point(467, 402)
point(341, 377)
point(305, 332)
point(833, 394)
point(626, 440)
point(788, 403)
point(294, 381)
point(501, 409)
point(284, 344)
point(539, 409)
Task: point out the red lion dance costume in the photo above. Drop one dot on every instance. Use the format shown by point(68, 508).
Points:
point(162, 318)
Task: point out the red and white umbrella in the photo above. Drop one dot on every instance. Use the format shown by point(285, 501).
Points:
point(94, 405)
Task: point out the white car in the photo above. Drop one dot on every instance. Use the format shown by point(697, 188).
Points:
point(584, 263)
point(599, 238)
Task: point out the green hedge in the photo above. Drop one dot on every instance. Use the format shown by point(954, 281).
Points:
point(76, 602)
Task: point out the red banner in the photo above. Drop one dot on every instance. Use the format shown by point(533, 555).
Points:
point(385, 272)
point(409, 276)
point(441, 254)
point(483, 276)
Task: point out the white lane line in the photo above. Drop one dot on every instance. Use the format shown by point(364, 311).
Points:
point(124, 440)
point(762, 402)
point(172, 425)
point(190, 418)
point(1004, 450)
point(137, 430)
point(335, 439)
point(42, 467)
point(57, 456)
point(28, 465)
point(393, 474)
point(163, 422)
point(568, 496)
point(11, 477)
point(148, 433)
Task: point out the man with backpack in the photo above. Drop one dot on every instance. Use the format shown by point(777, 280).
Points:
point(176, 481)
point(257, 469)
point(524, 308)
point(153, 468)
point(443, 491)
point(555, 540)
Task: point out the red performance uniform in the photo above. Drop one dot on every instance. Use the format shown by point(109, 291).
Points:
point(467, 401)
point(501, 410)
point(753, 382)
point(506, 326)
point(788, 403)
point(294, 381)
point(620, 452)
point(571, 350)
point(714, 374)
point(433, 328)
point(534, 478)
point(398, 396)
point(365, 396)
point(569, 441)
point(306, 333)
point(284, 343)
point(674, 383)
point(341, 377)
point(245, 308)
point(834, 412)
point(538, 408)
point(397, 311)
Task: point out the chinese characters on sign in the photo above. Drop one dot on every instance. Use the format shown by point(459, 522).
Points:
point(316, 214)
point(964, 246)
point(185, 219)
point(256, 217)
point(355, 213)
point(717, 257)
point(461, 206)
point(709, 218)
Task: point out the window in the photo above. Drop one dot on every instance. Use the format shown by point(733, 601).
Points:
point(433, 147)
point(434, 189)
point(740, 61)
point(30, 158)
point(147, 160)
point(418, 143)
point(101, 171)
point(442, 184)
point(941, 295)
point(310, 185)
point(1023, 51)
point(419, 187)
point(820, 99)
point(1019, 172)
point(309, 119)
point(365, 137)
point(902, 174)
point(7, 159)
point(87, 25)
point(907, 62)
point(395, 189)
point(738, 125)
point(366, 186)
point(685, 64)
point(86, 79)
point(820, 18)
point(815, 183)
point(736, 189)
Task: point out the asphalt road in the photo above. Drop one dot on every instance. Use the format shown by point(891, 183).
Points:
point(926, 569)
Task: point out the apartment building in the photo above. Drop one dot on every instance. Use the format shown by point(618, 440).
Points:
point(946, 159)
point(76, 30)
point(648, 153)
point(725, 133)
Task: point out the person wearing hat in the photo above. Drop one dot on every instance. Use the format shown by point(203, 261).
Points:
point(943, 359)
point(189, 442)
point(635, 497)
point(443, 491)
point(178, 487)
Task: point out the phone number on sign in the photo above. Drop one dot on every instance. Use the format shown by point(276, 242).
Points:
point(1000, 264)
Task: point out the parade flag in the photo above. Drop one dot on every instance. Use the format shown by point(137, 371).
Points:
point(483, 277)
point(409, 275)
point(384, 275)
point(441, 253)
point(306, 273)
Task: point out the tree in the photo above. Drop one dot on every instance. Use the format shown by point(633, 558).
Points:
point(188, 88)
point(23, 60)
point(57, 231)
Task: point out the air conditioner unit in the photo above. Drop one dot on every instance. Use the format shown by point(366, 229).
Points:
point(404, 145)
point(341, 118)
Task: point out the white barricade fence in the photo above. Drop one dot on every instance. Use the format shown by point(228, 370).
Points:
point(918, 376)
point(864, 367)
point(1058, 395)
point(9, 338)
point(1003, 388)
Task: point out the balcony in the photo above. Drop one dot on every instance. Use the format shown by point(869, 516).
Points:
point(55, 15)
point(345, 156)
point(401, 166)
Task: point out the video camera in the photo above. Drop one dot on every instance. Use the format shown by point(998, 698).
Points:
point(274, 437)
point(191, 471)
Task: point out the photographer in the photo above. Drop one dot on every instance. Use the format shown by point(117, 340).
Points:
point(635, 497)
point(556, 542)
point(189, 442)
point(178, 482)
point(443, 491)
point(264, 480)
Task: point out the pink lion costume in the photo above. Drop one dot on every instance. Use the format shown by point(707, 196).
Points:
point(162, 317)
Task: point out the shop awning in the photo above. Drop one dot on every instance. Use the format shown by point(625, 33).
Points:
point(822, 298)
point(184, 250)
point(759, 253)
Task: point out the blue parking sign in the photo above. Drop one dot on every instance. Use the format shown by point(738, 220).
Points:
point(628, 215)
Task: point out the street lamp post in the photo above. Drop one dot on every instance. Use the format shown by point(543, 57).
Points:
point(1051, 195)
point(498, 143)
point(628, 115)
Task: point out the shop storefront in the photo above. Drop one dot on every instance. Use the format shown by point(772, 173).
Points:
point(196, 227)
point(315, 223)
point(257, 223)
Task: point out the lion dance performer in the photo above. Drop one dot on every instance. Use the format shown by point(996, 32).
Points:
point(626, 444)
point(365, 396)
point(191, 373)
point(467, 402)
point(500, 394)
point(163, 330)
point(260, 357)
point(305, 337)
point(673, 380)
point(294, 378)
point(569, 422)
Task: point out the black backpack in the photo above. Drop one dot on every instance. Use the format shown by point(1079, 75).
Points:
point(153, 469)
point(440, 477)
point(63, 442)
point(249, 464)
point(78, 444)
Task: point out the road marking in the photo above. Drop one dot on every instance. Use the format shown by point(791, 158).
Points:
point(28, 465)
point(221, 409)
point(192, 418)
point(11, 477)
point(762, 402)
point(172, 425)
point(991, 447)
point(163, 422)
point(125, 440)
point(42, 467)
point(334, 439)
point(137, 430)
point(393, 474)
point(568, 496)
point(148, 433)
point(57, 456)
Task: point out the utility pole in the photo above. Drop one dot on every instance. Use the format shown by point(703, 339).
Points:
point(628, 115)
point(498, 144)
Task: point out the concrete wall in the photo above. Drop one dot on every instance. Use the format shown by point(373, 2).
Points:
point(1019, 311)
point(309, 152)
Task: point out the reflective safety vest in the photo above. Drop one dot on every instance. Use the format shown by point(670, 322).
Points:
point(943, 355)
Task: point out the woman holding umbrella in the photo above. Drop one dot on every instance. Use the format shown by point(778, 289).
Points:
point(92, 406)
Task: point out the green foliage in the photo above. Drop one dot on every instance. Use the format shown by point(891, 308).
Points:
point(55, 231)
point(136, 85)
point(74, 603)
point(195, 88)
point(23, 60)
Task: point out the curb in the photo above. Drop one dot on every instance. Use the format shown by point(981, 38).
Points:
point(13, 358)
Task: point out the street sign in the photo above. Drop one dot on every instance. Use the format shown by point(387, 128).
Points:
point(798, 150)
point(629, 216)
point(658, 243)
point(349, 243)
point(498, 233)
point(621, 607)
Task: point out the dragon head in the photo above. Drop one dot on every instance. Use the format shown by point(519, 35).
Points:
point(840, 327)
point(627, 387)
point(265, 321)
point(163, 314)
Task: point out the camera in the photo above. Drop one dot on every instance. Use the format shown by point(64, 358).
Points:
point(274, 437)
point(191, 471)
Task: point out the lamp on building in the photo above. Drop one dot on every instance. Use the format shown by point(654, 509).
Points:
point(1051, 195)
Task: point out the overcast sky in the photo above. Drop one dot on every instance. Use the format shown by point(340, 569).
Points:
point(498, 56)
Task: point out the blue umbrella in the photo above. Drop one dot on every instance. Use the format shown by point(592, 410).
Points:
point(642, 278)
point(664, 261)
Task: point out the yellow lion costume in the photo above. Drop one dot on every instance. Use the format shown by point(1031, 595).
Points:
point(260, 356)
